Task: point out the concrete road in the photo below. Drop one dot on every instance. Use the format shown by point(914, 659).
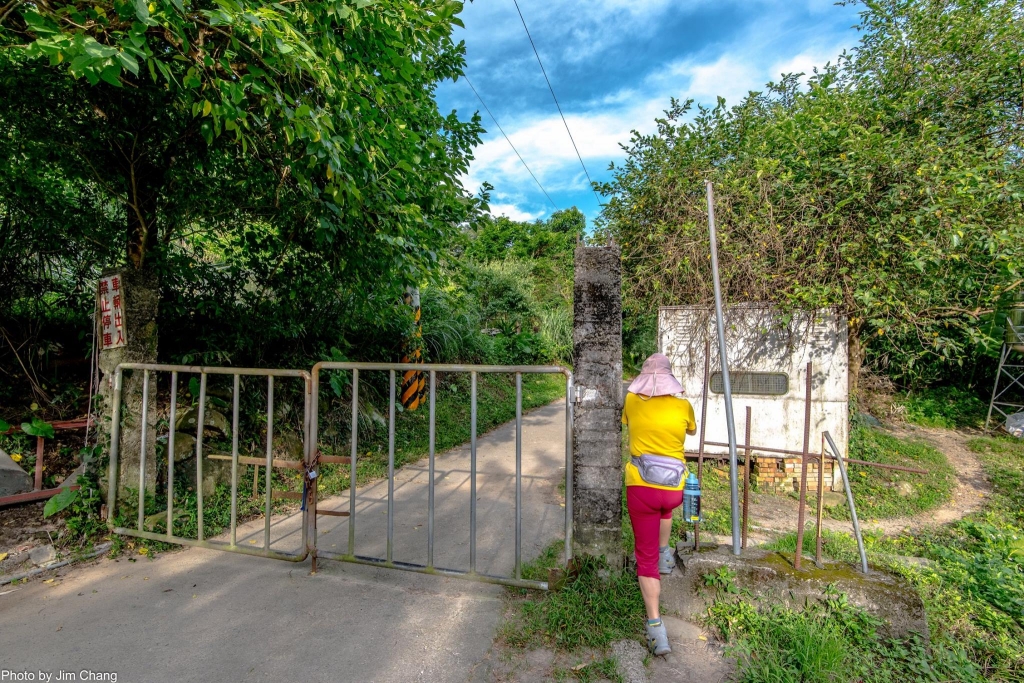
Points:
point(206, 615)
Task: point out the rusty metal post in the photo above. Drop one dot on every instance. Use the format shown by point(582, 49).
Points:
point(803, 473)
point(703, 431)
point(38, 486)
point(746, 478)
point(821, 504)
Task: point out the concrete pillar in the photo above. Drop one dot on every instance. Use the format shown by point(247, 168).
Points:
point(597, 428)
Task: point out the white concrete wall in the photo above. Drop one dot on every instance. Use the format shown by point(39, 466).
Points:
point(758, 339)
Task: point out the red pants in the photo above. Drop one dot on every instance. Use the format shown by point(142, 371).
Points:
point(647, 507)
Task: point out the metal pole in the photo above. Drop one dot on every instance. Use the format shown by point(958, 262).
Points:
point(849, 501)
point(199, 453)
point(519, 474)
point(170, 453)
point(821, 505)
point(703, 432)
point(730, 422)
point(234, 460)
point(311, 475)
point(115, 446)
point(268, 493)
point(472, 474)
point(803, 474)
point(352, 464)
point(38, 481)
point(391, 467)
point(746, 479)
point(142, 449)
point(430, 476)
point(570, 387)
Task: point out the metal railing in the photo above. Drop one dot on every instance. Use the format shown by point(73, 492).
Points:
point(312, 459)
point(433, 369)
point(269, 462)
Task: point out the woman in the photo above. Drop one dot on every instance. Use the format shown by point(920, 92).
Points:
point(658, 420)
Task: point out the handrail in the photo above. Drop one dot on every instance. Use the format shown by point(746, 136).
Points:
point(849, 500)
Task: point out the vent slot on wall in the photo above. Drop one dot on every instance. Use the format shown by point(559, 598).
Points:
point(753, 383)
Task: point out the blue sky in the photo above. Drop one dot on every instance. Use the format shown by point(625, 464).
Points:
point(614, 65)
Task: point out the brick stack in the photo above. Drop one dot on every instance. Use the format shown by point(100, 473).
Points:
point(781, 475)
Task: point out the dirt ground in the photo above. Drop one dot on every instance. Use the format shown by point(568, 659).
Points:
point(696, 657)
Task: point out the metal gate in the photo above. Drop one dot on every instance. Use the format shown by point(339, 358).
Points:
point(313, 458)
point(149, 373)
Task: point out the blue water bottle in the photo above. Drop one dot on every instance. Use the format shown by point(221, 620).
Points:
point(691, 499)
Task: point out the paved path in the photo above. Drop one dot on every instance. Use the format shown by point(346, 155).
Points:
point(205, 615)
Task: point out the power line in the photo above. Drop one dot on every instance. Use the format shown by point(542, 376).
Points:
point(555, 98)
point(488, 110)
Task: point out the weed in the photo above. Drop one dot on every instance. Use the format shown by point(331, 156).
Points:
point(947, 407)
point(594, 608)
point(829, 640)
point(722, 580)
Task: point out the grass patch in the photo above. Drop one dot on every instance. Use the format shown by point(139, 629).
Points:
point(973, 592)
point(829, 640)
point(594, 608)
point(946, 407)
point(880, 493)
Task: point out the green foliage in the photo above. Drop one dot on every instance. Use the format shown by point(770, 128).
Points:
point(594, 608)
point(522, 275)
point(888, 187)
point(38, 427)
point(877, 491)
point(946, 407)
point(289, 172)
point(60, 501)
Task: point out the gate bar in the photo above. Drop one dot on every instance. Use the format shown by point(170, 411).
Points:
point(570, 389)
point(519, 475)
point(199, 454)
point(391, 465)
point(142, 448)
point(352, 462)
point(170, 453)
point(430, 476)
point(234, 459)
point(270, 461)
point(472, 474)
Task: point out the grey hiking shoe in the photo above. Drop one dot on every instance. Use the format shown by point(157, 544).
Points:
point(666, 561)
point(657, 639)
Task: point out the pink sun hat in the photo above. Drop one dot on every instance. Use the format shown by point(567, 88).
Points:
point(655, 378)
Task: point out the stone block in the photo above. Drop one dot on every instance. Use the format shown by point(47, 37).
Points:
point(769, 576)
point(598, 506)
point(596, 477)
point(13, 479)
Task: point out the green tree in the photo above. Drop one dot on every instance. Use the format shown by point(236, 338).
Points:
point(889, 187)
point(193, 120)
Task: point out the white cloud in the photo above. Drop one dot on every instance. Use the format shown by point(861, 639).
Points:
point(768, 48)
point(514, 212)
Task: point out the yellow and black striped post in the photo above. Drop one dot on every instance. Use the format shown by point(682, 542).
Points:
point(414, 382)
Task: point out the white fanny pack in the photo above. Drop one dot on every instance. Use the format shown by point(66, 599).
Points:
point(660, 470)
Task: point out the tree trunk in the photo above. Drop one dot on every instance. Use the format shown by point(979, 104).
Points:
point(141, 301)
